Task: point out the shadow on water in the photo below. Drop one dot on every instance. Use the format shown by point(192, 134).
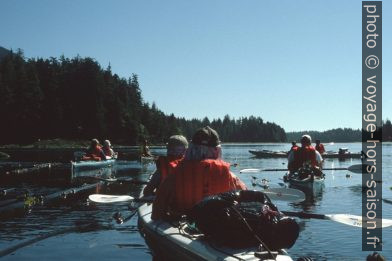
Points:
point(312, 197)
point(67, 215)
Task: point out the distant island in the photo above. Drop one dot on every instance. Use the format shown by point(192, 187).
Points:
point(334, 135)
point(77, 99)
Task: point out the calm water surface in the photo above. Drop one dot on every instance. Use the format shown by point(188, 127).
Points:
point(82, 231)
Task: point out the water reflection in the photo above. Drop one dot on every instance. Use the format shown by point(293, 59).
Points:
point(94, 234)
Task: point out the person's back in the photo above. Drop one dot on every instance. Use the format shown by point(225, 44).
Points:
point(202, 173)
point(306, 154)
point(196, 180)
point(165, 165)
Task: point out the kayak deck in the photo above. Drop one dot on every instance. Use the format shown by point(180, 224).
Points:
point(173, 242)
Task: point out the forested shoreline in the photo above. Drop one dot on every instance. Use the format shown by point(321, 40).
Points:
point(342, 135)
point(78, 99)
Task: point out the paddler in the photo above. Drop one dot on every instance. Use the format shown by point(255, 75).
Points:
point(145, 150)
point(175, 150)
point(94, 152)
point(107, 149)
point(294, 147)
point(201, 173)
point(306, 154)
point(320, 147)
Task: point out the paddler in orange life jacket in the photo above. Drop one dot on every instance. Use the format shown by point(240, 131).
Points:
point(294, 145)
point(200, 174)
point(306, 154)
point(95, 152)
point(175, 150)
point(320, 147)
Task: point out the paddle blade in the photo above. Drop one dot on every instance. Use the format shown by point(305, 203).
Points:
point(357, 168)
point(285, 194)
point(353, 220)
point(250, 170)
point(101, 198)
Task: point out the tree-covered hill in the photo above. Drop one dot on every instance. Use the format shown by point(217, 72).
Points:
point(333, 135)
point(78, 99)
point(3, 52)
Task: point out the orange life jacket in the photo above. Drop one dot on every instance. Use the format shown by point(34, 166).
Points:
point(294, 148)
point(166, 165)
point(320, 148)
point(94, 154)
point(302, 155)
point(196, 180)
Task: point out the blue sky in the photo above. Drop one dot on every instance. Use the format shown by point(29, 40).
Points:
point(295, 63)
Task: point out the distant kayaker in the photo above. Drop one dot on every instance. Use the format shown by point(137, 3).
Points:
point(294, 145)
point(175, 150)
point(107, 149)
point(95, 152)
point(145, 150)
point(202, 173)
point(307, 154)
point(320, 147)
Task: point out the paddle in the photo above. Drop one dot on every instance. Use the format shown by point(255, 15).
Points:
point(127, 180)
point(347, 219)
point(103, 198)
point(357, 168)
point(283, 194)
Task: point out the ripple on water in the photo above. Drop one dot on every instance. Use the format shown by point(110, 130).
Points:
point(103, 239)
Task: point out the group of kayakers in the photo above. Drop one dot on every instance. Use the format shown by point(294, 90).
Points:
point(193, 180)
point(194, 172)
point(98, 152)
point(306, 154)
point(189, 173)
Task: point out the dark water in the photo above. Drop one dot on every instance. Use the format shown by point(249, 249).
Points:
point(82, 231)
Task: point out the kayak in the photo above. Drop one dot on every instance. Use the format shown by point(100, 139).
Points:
point(283, 154)
point(347, 155)
point(147, 160)
point(269, 153)
point(313, 185)
point(103, 168)
point(179, 241)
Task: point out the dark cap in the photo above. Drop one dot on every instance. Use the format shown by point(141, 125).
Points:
point(206, 136)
